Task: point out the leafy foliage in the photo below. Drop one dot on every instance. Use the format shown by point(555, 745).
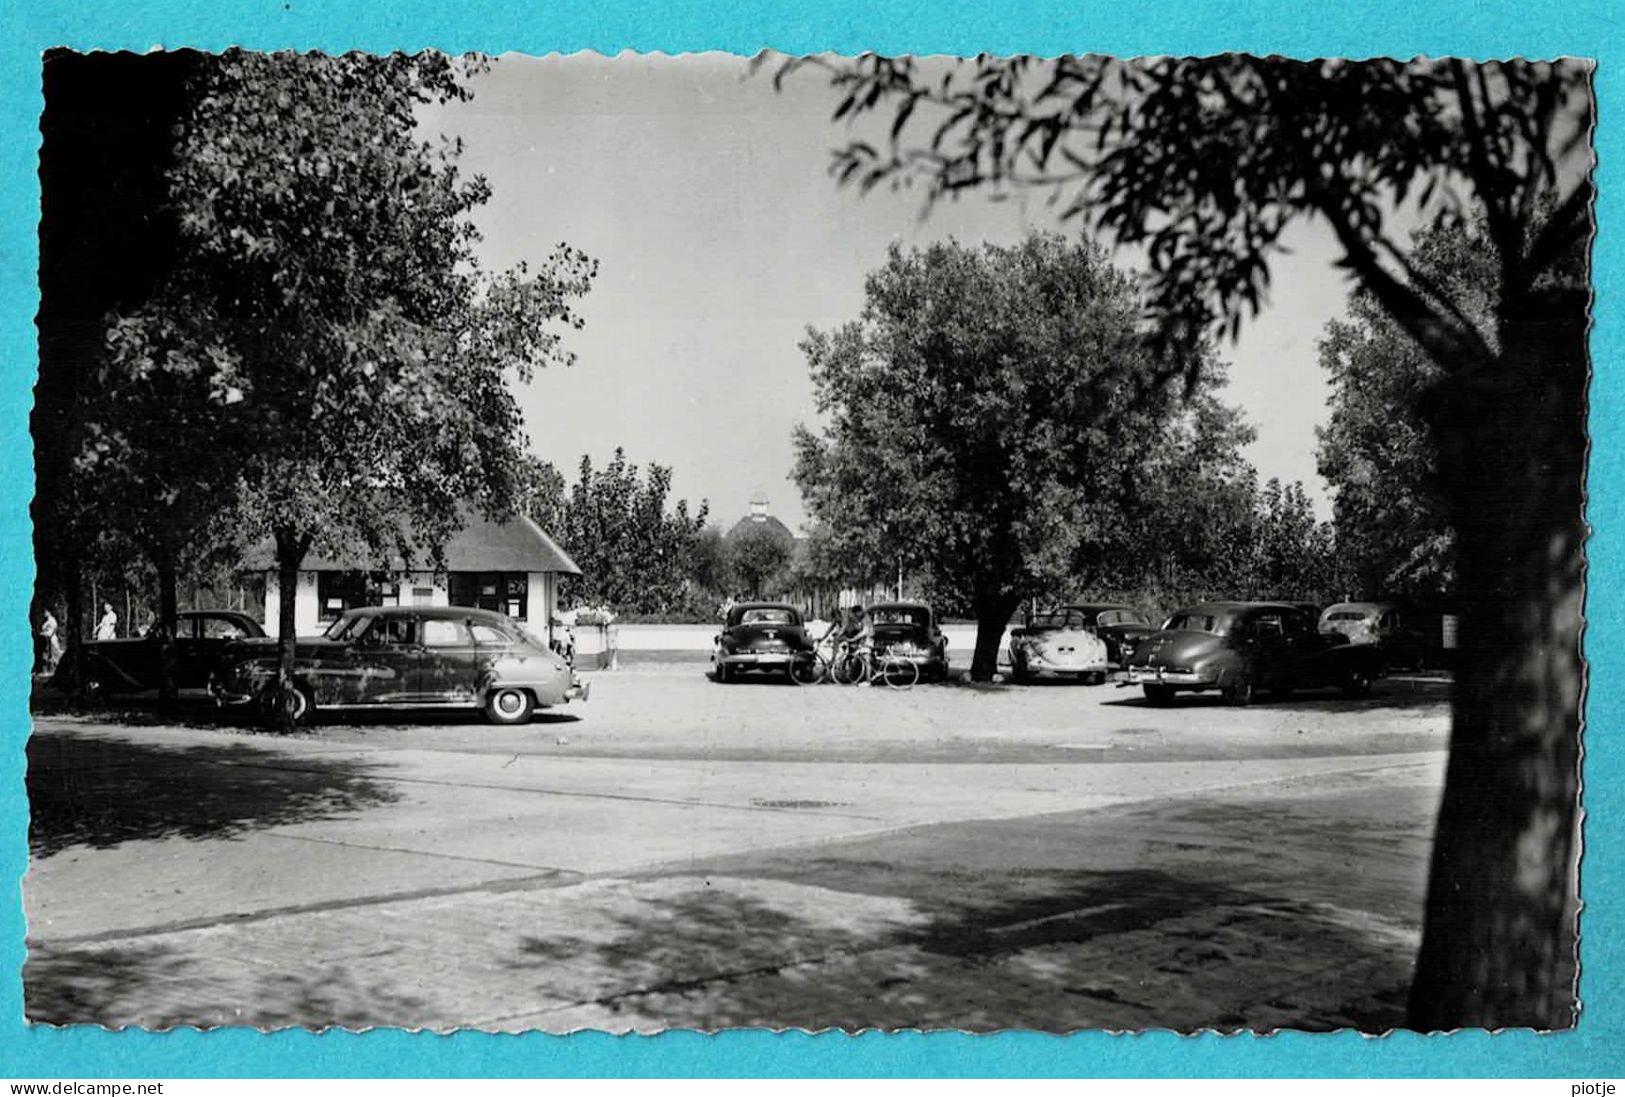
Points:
point(982, 419)
point(1378, 449)
point(1205, 162)
point(759, 558)
point(634, 555)
point(327, 327)
point(333, 304)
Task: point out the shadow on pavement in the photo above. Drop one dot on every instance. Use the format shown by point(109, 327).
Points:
point(1379, 699)
point(157, 988)
point(90, 791)
point(1109, 950)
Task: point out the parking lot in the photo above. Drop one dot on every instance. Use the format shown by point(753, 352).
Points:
point(681, 853)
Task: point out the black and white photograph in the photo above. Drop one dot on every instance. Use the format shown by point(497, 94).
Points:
point(842, 541)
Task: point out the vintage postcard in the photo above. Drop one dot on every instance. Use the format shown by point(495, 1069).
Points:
point(830, 542)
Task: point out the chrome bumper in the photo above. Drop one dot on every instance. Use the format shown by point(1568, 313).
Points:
point(1161, 676)
point(759, 658)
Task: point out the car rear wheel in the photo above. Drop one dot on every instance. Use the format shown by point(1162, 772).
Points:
point(1358, 684)
point(1159, 695)
point(807, 669)
point(721, 673)
point(1239, 692)
point(509, 705)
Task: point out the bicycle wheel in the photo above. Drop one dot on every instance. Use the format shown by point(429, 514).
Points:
point(899, 673)
point(808, 669)
point(849, 668)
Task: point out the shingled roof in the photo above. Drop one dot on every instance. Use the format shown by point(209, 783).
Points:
point(481, 545)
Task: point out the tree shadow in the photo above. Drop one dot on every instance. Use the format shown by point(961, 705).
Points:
point(100, 792)
point(1380, 699)
point(158, 987)
point(365, 718)
point(1119, 950)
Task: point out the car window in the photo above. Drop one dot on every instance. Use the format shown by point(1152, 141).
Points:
point(219, 628)
point(1195, 622)
point(1121, 617)
point(1267, 625)
point(1296, 624)
point(390, 630)
point(767, 617)
point(444, 634)
point(1346, 615)
point(489, 634)
point(892, 616)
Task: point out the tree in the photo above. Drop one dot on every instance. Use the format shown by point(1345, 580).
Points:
point(758, 557)
point(633, 553)
point(1294, 554)
point(982, 416)
point(1377, 450)
point(710, 572)
point(107, 239)
point(328, 300)
point(1185, 528)
point(1204, 162)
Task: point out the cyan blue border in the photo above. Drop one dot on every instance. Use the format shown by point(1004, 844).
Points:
point(1474, 28)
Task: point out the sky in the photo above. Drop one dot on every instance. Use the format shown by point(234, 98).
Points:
point(721, 237)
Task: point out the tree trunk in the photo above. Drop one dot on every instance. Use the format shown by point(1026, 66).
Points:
point(290, 553)
point(164, 565)
point(992, 614)
point(73, 625)
point(1498, 947)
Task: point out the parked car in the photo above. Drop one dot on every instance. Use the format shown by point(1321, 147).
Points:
point(909, 631)
point(135, 664)
point(1062, 643)
point(1380, 624)
point(407, 657)
point(759, 636)
point(1239, 648)
point(1121, 627)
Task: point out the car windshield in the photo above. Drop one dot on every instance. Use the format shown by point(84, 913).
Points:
point(348, 627)
point(899, 615)
point(1060, 619)
point(767, 616)
point(1200, 622)
point(1346, 615)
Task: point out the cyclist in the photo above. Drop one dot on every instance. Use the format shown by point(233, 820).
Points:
point(853, 634)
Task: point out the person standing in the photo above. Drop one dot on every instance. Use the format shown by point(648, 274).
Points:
point(107, 627)
point(49, 645)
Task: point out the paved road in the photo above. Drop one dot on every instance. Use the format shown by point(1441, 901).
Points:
point(677, 852)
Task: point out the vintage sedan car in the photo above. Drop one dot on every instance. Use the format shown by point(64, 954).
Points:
point(407, 657)
point(1379, 624)
point(909, 631)
point(760, 636)
point(135, 664)
point(1239, 648)
point(1062, 643)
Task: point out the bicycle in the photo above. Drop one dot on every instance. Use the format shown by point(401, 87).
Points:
point(809, 668)
point(856, 664)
